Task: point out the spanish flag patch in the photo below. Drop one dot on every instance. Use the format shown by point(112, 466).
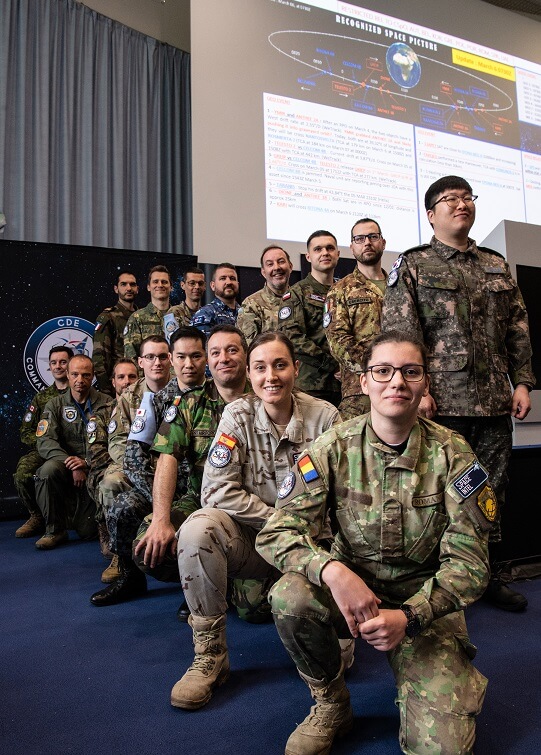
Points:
point(227, 440)
point(307, 469)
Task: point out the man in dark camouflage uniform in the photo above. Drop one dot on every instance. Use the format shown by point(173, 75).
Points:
point(461, 300)
point(223, 309)
point(62, 441)
point(259, 312)
point(301, 319)
point(28, 464)
point(194, 287)
point(127, 511)
point(413, 509)
point(109, 333)
point(353, 313)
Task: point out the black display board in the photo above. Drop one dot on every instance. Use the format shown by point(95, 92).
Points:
point(51, 295)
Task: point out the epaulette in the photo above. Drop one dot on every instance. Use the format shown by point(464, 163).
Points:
point(490, 251)
point(419, 248)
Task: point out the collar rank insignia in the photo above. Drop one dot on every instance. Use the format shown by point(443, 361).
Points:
point(486, 500)
point(307, 469)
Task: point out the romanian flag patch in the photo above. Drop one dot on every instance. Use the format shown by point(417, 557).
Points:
point(307, 469)
point(227, 440)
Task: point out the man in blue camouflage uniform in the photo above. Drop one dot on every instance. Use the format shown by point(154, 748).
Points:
point(461, 300)
point(223, 309)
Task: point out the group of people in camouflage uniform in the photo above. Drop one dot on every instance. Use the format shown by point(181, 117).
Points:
point(368, 521)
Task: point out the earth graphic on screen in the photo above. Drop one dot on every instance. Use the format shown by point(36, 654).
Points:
point(403, 65)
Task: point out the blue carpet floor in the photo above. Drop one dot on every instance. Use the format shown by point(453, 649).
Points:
point(96, 681)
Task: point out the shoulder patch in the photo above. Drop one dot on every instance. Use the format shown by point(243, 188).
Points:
point(138, 425)
point(327, 317)
point(288, 483)
point(28, 417)
point(171, 413)
point(307, 469)
point(286, 296)
point(70, 413)
point(393, 275)
point(91, 427)
point(111, 427)
point(227, 440)
point(42, 428)
point(486, 500)
point(470, 480)
point(219, 456)
point(284, 313)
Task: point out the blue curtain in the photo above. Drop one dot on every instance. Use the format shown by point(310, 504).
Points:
point(94, 131)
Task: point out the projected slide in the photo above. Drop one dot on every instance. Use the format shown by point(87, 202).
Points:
point(362, 112)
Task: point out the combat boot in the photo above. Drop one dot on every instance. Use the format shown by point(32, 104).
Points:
point(330, 716)
point(112, 572)
point(210, 667)
point(132, 583)
point(35, 525)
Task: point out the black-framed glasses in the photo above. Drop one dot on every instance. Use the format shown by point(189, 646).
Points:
point(363, 236)
point(453, 201)
point(384, 373)
point(152, 357)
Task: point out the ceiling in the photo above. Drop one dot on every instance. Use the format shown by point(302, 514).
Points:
point(530, 8)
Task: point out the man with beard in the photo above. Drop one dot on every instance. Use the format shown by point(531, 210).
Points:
point(109, 332)
point(353, 313)
point(223, 309)
point(259, 312)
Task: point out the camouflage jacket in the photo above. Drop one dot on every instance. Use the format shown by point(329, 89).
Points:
point(62, 432)
point(470, 314)
point(109, 344)
point(249, 462)
point(97, 454)
point(148, 321)
point(184, 313)
point(413, 526)
point(33, 414)
point(259, 313)
point(301, 319)
point(215, 313)
point(352, 319)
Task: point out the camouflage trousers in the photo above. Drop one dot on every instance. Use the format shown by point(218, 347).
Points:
point(27, 466)
point(123, 515)
point(491, 439)
point(354, 406)
point(113, 482)
point(212, 547)
point(63, 506)
point(439, 691)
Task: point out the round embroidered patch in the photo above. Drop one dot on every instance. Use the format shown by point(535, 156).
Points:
point(284, 313)
point(41, 428)
point(393, 277)
point(170, 414)
point(220, 456)
point(92, 437)
point(28, 417)
point(111, 427)
point(327, 319)
point(91, 427)
point(138, 425)
point(288, 483)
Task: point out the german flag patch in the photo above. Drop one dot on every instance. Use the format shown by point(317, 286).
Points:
point(486, 500)
point(307, 469)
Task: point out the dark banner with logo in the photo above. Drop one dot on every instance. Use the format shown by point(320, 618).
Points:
point(51, 296)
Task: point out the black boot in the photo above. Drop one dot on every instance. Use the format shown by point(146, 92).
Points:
point(500, 595)
point(132, 583)
point(183, 613)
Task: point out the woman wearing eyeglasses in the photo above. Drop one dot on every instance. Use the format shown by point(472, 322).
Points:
point(413, 509)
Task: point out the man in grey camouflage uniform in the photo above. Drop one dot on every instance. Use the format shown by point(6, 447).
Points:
point(109, 333)
point(353, 313)
point(62, 441)
point(28, 464)
point(259, 312)
point(301, 319)
point(413, 509)
point(126, 511)
point(464, 304)
point(194, 286)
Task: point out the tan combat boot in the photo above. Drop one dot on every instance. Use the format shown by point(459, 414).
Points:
point(210, 667)
point(35, 525)
point(112, 572)
point(330, 716)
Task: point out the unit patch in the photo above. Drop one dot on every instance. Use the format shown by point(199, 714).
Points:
point(41, 428)
point(220, 456)
point(284, 313)
point(138, 425)
point(70, 413)
point(327, 317)
point(170, 414)
point(287, 485)
point(28, 416)
point(486, 500)
point(111, 427)
point(393, 275)
point(91, 427)
point(470, 480)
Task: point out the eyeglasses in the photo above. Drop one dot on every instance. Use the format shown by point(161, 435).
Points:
point(194, 284)
point(453, 201)
point(384, 373)
point(152, 357)
point(363, 236)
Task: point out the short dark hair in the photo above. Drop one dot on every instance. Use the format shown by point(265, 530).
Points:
point(225, 328)
point(268, 248)
point(151, 339)
point(125, 272)
point(315, 234)
point(393, 336)
point(223, 264)
point(194, 270)
point(187, 331)
point(158, 269)
point(268, 337)
point(443, 184)
point(125, 360)
point(66, 349)
point(365, 220)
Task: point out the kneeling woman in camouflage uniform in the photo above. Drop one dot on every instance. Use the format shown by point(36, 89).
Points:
point(413, 509)
point(256, 446)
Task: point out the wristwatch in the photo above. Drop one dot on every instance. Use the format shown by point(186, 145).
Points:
point(413, 627)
